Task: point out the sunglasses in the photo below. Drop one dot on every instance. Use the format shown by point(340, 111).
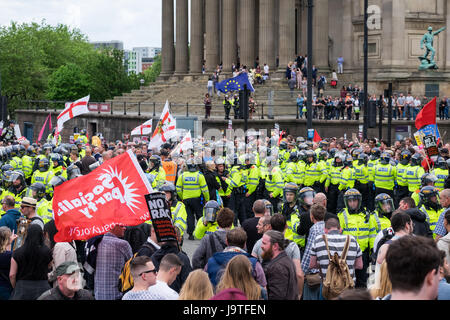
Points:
point(148, 271)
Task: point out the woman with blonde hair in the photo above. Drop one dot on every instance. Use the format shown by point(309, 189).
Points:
point(196, 287)
point(238, 274)
point(382, 286)
point(6, 238)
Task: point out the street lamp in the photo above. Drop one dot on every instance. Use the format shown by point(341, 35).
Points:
point(142, 81)
point(310, 63)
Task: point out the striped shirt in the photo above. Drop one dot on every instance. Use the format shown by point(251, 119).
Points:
point(316, 230)
point(336, 243)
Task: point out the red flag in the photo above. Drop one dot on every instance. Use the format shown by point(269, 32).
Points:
point(92, 204)
point(316, 138)
point(427, 115)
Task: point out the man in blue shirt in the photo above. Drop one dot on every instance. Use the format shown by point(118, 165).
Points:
point(11, 215)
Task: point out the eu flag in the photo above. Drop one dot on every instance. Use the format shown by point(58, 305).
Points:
point(235, 84)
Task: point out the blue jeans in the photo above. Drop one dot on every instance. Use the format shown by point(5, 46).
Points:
point(300, 111)
point(407, 112)
point(415, 112)
point(446, 112)
point(312, 293)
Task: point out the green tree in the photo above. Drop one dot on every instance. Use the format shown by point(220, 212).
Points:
point(68, 83)
point(152, 73)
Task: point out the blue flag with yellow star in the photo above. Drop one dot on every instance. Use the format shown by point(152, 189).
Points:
point(235, 84)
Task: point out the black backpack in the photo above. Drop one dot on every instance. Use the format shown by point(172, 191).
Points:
point(388, 233)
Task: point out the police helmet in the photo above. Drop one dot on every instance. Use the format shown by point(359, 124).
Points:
point(428, 179)
point(22, 150)
point(363, 158)
point(375, 153)
point(43, 165)
point(8, 151)
point(18, 175)
point(310, 154)
point(441, 163)
point(293, 156)
point(332, 152)
point(303, 146)
point(156, 160)
point(168, 187)
point(56, 181)
point(210, 211)
point(269, 207)
point(384, 205)
point(73, 171)
point(429, 197)
point(40, 190)
point(323, 144)
point(352, 194)
point(192, 167)
point(405, 157)
point(55, 157)
point(83, 132)
point(283, 145)
point(290, 187)
point(306, 196)
point(385, 158)
point(348, 161)
point(309, 144)
point(356, 152)
point(7, 167)
point(6, 179)
point(416, 159)
point(14, 150)
point(323, 155)
point(300, 140)
point(47, 147)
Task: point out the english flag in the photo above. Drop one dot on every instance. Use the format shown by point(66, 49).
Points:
point(165, 129)
point(93, 204)
point(184, 144)
point(71, 111)
point(144, 129)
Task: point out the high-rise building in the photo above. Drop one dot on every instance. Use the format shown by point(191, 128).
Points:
point(115, 44)
point(148, 52)
point(133, 61)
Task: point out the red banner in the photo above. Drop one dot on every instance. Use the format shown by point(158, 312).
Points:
point(91, 205)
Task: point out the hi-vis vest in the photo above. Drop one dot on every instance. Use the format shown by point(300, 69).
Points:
point(170, 168)
point(356, 225)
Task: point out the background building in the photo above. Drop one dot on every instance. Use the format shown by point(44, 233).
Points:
point(133, 61)
point(115, 44)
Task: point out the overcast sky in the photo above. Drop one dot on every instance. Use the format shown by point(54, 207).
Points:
point(137, 23)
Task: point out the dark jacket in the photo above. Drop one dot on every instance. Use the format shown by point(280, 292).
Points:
point(421, 226)
point(211, 181)
point(56, 294)
point(218, 262)
point(9, 219)
point(205, 250)
point(185, 269)
point(281, 278)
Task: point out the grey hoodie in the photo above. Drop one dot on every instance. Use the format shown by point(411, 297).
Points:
point(205, 251)
point(444, 245)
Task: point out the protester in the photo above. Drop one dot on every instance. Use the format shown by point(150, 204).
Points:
point(444, 272)
point(29, 266)
point(169, 269)
point(28, 209)
point(12, 214)
point(197, 287)
point(250, 225)
point(112, 254)
point(280, 272)
point(412, 280)
point(6, 238)
point(444, 242)
point(69, 284)
point(238, 275)
point(144, 275)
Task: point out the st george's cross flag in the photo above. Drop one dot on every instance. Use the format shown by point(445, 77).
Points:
point(71, 110)
point(185, 144)
point(144, 129)
point(165, 129)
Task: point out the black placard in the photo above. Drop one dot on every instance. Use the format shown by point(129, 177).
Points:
point(161, 217)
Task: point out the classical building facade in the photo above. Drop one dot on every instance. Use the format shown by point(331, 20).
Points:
point(228, 31)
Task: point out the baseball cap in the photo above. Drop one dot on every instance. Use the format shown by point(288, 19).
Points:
point(67, 267)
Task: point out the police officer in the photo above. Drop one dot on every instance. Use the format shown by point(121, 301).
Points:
point(354, 221)
point(413, 174)
point(227, 107)
point(290, 210)
point(362, 177)
point(374, 157)
point(385, 175)
point(15, 161)
point(8, 134)
point(83, 136)
point(18, 185)
point(380, 219)
point(441, 172)
point(238, 184)
point(43, 174)
point(73, 171)
point(252, 184)
point(292, 174)
point(43, 206)
point(429, 204)
point(427, 179)
point(58, 165)
point(306, 198)
point(402, 167)
point(178, 209)
point(207, 224)
point(51, 135)
point(346, 182)
point(190, 186)
point(274, 182)
point(28, 162)
point(222, 173)
point(332, 183)
point(157, 175)
point(323, 167)
point(312, 171)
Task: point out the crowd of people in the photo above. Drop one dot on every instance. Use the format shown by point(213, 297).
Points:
point(267, 218)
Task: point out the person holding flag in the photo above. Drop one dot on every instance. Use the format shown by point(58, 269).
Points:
point(165, 129)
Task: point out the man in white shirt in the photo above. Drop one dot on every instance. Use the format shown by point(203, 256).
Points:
point(409, 105)
point(266, 71)
point(144, 275)
point(169, 269)
point(417, 104)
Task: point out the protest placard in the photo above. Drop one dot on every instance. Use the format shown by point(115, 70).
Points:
point(161, 217)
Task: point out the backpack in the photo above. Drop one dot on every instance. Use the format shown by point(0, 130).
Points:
point(126, 281)
point(388, 234)
point(90, 263)
point(338, 276)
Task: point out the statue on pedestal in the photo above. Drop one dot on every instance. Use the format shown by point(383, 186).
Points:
point(427, 39)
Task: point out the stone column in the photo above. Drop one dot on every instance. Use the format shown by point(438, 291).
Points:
point(347, 35)
point(320, 35)
point(181, 48)
point(393, 33)
point(167, 50)
point(266, 33)
point(197, 34)
point(229, 30)
point(286, 33)
point(247, 33)
point(447, 36)
point(212, 34)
